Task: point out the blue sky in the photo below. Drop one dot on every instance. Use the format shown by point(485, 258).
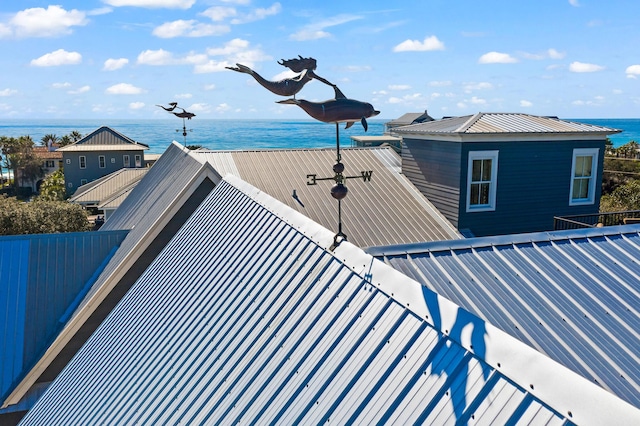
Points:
point(119, 58)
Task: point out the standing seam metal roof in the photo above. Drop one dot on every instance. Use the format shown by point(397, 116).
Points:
point(245, 316)
point(492, 123)
point(573, 295)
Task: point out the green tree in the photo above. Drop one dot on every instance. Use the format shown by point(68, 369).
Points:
point(624, 197)
point(49, 138)
point(75, 136)
point(18, 155)
point(65, 140)
point(40, 217)
point(52, 188)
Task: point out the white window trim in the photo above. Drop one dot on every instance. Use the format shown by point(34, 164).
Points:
point(584, 152)
point(80, 161)
point(126, 160)
point(102, 161)
point(483, 155)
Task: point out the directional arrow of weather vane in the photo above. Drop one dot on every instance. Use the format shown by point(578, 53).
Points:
point(340, 109)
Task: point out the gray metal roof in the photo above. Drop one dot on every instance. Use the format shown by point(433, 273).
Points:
point(247, 317)
point(108, 187)
point(503, 123)
point(104, 139)
point(42, 279)
point(573, 295)
point(409, 118)
point(386, 210)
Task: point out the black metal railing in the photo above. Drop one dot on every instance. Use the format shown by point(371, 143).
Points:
point(596, 220)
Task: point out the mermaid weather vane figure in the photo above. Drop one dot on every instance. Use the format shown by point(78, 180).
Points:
point(185, 115)
point(340, 109)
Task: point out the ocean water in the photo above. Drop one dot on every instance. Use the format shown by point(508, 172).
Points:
point(243, 134)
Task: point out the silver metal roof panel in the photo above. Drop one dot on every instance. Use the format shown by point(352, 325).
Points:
point(573, 295)
point(42, 279)
point(246, 316)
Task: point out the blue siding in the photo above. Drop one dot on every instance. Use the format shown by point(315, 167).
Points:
point(534, 180)
point(74, 174)
point(434, 168)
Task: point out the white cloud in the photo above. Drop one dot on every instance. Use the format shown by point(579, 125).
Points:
point(316, 31)
point(633, 71)
point(443, 83)
point(64, 85)
point(183, 96)
point(136, 105)
point(80, 90)
point(355, 68)
point(231, 47)
point(496, 58)
point(554, 54)
point(124, 89)
point(584, 67)
point(153, 4)
point(223, 107)
point(429, 43)
point(219, 13)
point(114, 64)
point(100, 11)
point(477, 101)
point(190, 28)
point(156, 57)
point(574, 3)
point(258, 14)
point(59, 57)
point(525, 104)
point(8, 92)
point(399, 87)
point(483, 85)
point(39, 22)
point(209, 87)
point(212, 66)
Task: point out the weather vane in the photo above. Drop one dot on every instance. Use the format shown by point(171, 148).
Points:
point(185, 115)
point(340, 109)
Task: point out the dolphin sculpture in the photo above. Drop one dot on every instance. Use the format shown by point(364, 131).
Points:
point(184, 114)
point(287, 86)
point(338, 110)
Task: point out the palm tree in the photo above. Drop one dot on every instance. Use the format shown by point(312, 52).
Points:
point(75, 135)
point(65, 140)
point(49, 139)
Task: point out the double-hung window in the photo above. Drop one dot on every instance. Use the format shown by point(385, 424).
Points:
point(482, 178)
point(83, 162)
point(102, 162)
point(583, 174)
point(126, 160)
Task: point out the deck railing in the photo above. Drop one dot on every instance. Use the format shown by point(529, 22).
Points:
point(596, 220)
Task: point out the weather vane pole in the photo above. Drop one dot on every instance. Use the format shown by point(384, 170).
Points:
point(185, 115)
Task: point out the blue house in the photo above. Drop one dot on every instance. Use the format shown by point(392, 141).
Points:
point(98, 154)
point(503, 173)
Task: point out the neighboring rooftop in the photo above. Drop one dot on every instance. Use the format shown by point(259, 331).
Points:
point(108, 188)
point(104, 139)
point(247, 317)
point(409, 118)
point(504, 123)
point(572, 295)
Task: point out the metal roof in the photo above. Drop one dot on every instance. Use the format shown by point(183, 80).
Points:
point(573, 295)
point(503, 123)
point(42, 279)
point(108, 187)
point(410, 118)
point(247, 317)
point(104, 139)
point(386, 210)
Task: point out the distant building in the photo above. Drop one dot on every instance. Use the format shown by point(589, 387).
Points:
point(51, 161)
point(98, 154)
point(407, 119)
point(503, 173)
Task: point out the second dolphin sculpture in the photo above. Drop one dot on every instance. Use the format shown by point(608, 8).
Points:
point(338, 110)
point(287, 86)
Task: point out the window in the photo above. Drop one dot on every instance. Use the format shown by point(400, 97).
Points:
point(138, 161)
point(83, 162)
point(49, 164)
point(102, 162)
point(126, 160)
point(83, 181)
point(482, 181)
point(583, 171)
